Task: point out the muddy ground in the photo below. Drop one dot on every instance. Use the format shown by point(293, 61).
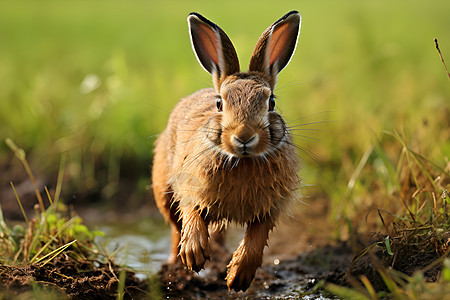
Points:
point(66, 278)
point(302, 251)
point(291, 268)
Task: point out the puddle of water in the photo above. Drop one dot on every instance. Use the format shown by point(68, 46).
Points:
point(143, 245)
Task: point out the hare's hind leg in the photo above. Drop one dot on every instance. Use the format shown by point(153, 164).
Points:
point(248, 256)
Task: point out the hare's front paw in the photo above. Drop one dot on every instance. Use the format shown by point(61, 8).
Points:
point(240, 274)
point(195, 249)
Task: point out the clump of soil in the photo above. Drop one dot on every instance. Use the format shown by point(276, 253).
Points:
point(72, 279)
point(424, 253)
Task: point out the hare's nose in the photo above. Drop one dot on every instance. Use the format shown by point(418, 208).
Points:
point(247, 142)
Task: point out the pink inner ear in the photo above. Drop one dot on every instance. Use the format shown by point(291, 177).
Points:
point(208, 38)
point(279, 42)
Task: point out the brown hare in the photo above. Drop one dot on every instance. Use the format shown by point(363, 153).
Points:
point(226, 155)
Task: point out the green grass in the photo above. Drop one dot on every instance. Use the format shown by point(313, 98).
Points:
point(365, 65)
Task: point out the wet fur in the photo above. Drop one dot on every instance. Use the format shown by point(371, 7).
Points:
point(202, 177)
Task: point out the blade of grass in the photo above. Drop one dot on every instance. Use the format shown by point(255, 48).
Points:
point(435, 206)
point(20, 154)
point(35, 240)
point(121, 286)
point(50, 199)
point(416, 158)
point(394, 215)
point(3, 226)
point(382, 220)
point(391, 285)
point(413, 217)
point(423, 204)
point(345, 292)
point(20, 203)
point(16, 256)
point(359, 168)
point(66, 225)
point(388, 246)
point(54, 253)
point(60, 178)
point(369, 287)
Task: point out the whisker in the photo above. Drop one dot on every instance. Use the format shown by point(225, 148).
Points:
point(305, 137)
point(312, 123)
point(310, 155)
point(236, 162)
point(196, 157)
point(283, 87)
point(206, 130)
point(306, 129)
point(310, 116)
point(189, 140)
point(157, 107)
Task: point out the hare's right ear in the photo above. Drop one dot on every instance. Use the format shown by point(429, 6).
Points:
point(213, 48)
point(275, 47)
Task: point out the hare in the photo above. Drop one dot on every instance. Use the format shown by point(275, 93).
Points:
point(226, 155)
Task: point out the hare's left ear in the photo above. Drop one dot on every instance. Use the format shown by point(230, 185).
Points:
point(275, 47)
point(213, 48)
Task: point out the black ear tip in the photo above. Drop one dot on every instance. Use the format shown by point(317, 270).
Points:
point(291, 13)
point(202, 19)
point(195, 14)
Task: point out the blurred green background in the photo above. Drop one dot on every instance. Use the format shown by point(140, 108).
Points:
point(97, 80)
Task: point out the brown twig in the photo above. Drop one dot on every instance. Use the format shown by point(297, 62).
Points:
point(440, 55)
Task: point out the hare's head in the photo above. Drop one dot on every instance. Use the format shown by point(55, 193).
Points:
point(246, 123)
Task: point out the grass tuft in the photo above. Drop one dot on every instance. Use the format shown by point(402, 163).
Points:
point(57, 242)
point(410, 259)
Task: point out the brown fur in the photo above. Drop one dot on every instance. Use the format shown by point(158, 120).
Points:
point(235, 165)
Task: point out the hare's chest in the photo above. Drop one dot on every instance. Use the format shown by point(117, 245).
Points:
point(240, 194)
point(238, 198)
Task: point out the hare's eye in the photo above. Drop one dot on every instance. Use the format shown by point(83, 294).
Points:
point(272, 103)
point(219, 103)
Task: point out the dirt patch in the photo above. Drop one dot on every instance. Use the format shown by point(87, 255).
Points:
point(65, 277)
